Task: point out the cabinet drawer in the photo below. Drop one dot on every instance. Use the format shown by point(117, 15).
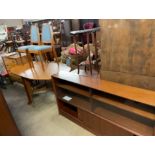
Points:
point(90, 120)
point(101, 126)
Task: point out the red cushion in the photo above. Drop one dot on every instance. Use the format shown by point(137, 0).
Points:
point(4, 73)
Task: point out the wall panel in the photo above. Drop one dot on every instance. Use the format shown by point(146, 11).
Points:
point(128, 52)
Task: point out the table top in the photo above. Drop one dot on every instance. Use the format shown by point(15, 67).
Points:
point(38, 73)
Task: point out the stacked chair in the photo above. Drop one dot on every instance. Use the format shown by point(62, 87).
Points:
point(35, 39)
point(39, 47)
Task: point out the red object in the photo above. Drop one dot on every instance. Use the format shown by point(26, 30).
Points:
point(72, 50)
point(89, 25)
point(5, 74)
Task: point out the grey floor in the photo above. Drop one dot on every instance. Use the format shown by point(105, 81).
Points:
point(40, 118)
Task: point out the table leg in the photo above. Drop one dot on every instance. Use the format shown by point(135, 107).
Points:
point(28, 89)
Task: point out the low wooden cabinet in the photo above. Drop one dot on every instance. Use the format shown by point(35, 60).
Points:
point(104, 107)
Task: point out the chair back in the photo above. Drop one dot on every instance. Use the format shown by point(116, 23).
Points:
point(35, 36)
point(88, 25)
point(47, 33)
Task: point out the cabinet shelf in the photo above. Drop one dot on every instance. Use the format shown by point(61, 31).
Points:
point(76, 100)
point(123, 106)
point(74, 89)
point(128, 124)
point(67, 108)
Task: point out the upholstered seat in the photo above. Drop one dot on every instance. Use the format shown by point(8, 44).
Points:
point(23, 48)
point(39, 48)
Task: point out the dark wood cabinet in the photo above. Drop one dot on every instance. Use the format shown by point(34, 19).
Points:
point(7, 124)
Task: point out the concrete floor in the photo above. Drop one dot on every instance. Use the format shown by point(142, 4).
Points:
point(40, 118)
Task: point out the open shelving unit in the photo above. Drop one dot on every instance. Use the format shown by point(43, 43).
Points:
point(96, 105)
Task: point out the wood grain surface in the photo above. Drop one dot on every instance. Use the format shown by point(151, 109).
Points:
point(128, 52)
point(133, 93)
point(38, 73)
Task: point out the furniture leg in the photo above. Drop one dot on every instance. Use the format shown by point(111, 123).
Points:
point(51, 54)
point(29, 59)
point(35, 57)
point(154, 129)
point(4, 64)
point(55, 55)
point(90, 64)
point(6, 47)
point(28, 89)
point(46, 59)
point(74, 38)
point(41, 59)
point(96, 52)
point(20, 58)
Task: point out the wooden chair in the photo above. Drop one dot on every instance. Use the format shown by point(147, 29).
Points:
point(87, 32)
point(46, 39)
point(35, 39)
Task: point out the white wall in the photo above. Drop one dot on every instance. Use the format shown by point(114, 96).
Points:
point(11, 22)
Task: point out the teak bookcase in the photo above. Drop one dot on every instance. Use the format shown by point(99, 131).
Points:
point(104, 107)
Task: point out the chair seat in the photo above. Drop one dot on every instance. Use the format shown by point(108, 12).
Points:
point(39, 47)
point(23, 48)
point(9, 42)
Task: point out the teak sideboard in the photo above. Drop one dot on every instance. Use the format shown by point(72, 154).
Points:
point(105, 107)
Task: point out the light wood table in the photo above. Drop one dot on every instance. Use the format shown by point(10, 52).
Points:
point(37, 73)
point(11, 60)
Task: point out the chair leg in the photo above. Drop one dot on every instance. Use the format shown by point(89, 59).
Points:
point(29, 59)
point(77, 60)
point(88, 48)
point(20, 58)
point(55, 54)
point(35, 57)
point(51, 54)
point(41, 59)
point(6, 48)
